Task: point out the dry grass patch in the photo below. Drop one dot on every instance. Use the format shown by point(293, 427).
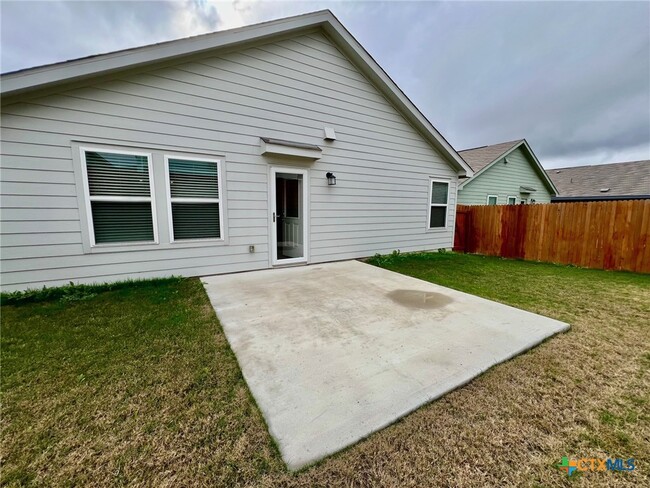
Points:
point(138, 387)
point(134, 387)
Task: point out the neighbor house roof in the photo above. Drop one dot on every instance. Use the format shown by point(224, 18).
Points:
point(479, 157)
point(603, 180)
point(482, 158)
point(79, 70)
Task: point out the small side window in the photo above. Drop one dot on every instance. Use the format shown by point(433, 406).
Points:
point(512, 200)
point(119, 189)
point(438, 204)
point(492, 199)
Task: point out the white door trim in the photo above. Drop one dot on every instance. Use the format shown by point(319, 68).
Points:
point(273, 211)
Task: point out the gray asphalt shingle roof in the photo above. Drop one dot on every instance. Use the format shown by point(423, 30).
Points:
point(479, 157)
point(629, 178)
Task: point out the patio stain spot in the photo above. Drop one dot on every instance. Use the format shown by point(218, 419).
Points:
point(419, 299)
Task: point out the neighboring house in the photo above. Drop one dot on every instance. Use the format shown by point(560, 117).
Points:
point(217, 154)
point(504, 174)
point(616, 181)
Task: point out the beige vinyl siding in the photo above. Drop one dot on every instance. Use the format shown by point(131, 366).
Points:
point(218, 107)
point(504, 180)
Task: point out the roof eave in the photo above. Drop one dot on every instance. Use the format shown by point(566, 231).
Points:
point(38, 78)
point(545, 177)
point(367, 64)
point(585, 198)
point(491, 163)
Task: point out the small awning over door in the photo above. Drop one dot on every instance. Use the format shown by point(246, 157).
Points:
point(279, 147)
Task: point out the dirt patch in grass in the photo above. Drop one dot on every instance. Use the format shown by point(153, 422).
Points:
point(138, 387)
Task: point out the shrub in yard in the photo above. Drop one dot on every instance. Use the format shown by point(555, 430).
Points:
point(397, 256)
point(384, 259)
point(75, 292)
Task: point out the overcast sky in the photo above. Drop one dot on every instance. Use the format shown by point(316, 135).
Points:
point(573, 78)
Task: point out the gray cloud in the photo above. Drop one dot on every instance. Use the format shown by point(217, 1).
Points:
point(571, 77)
point(35, 33)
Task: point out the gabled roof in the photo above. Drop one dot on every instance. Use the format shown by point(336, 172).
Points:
point(603, 180)
point(482, 158)
point(479, 157)
point(52, 75)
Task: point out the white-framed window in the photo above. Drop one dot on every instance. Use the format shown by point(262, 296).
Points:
point(512, 200)
point(194, 198)
point(492, 199)
point(119, 196)
point(438, 203)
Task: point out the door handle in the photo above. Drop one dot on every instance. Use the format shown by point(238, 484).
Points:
point(273, 216)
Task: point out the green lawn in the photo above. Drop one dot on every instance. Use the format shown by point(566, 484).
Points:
point(137, 386)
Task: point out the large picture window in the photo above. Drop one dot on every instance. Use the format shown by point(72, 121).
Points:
point(194, 198)
point(119, 191)
point(438, 204)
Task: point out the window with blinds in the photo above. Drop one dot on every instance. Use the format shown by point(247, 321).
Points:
point(438, 204)
point(120, 195)
point(194, 199)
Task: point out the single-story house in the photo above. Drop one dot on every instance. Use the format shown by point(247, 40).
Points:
point(616, 181)
point(281, 143)
point(508, 173)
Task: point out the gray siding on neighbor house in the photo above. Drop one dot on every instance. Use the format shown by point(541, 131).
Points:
point(218, 106)
point(504, 180)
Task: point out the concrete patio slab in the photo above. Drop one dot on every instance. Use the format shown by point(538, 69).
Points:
point(334, 352)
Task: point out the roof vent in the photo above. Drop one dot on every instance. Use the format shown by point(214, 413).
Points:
point(558, 171)
point(330, 135)
point(604, 190)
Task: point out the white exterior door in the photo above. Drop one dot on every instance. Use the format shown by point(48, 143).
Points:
point(288, 215)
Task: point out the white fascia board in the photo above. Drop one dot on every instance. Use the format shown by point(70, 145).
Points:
point(492, 163)
point(67, 71)
point(75, 70)
point(366, 63)
point(541, 169)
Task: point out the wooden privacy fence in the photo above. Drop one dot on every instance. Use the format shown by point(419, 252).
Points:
point(605, 235)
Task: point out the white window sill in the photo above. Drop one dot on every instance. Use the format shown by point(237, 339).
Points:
point(197, 242)
point(151, 246)
point(123, 246)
